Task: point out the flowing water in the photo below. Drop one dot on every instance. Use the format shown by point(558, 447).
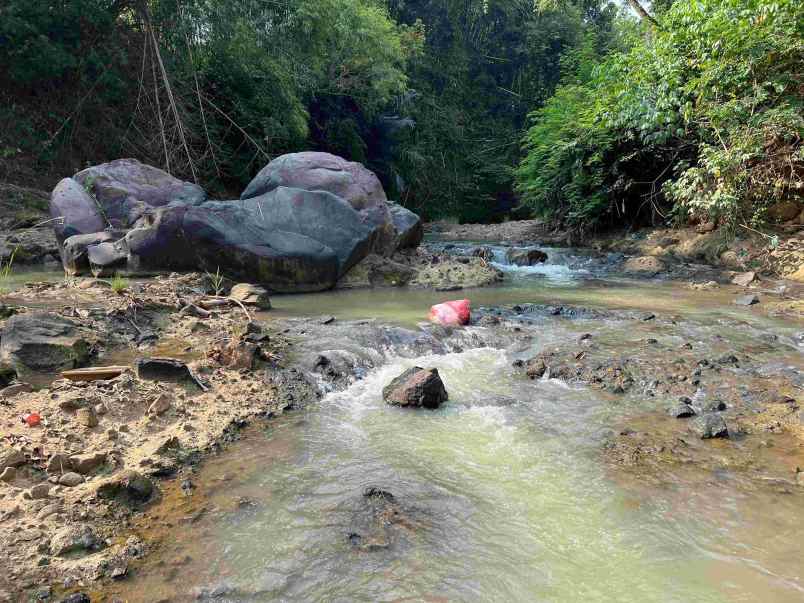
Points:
point(500, 495)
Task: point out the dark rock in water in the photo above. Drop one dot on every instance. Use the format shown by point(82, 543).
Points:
point(41, 342)
point(416, 387)
point(375, 492)
point(126, 189)
point(484, 253)
point(647, 316)
point(714, 406)
point(165, 369)
point(747, 300)
point(77, 210)
point(682, 411)
point(711, 426)
point(525, 257)
point(76, 598)
point(536, 368)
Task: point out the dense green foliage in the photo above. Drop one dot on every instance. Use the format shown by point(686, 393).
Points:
point(701, 118)
point(696, 116)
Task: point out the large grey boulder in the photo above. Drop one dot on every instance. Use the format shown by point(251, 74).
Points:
point(43, 342)
point(303, 222)
point(126, 189)
point(314, 171)
point(74, 210)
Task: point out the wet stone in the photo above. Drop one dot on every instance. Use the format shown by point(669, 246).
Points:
point(710, 426)
point(747, 300)
point(71, 479)
point(682, 411)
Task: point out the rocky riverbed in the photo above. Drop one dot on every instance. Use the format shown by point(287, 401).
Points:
point(671, 362)
point(79, 486)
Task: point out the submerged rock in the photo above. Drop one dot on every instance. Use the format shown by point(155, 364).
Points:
point(525, 257)
point(747, 300)
point(416, 387)
point(711, 426)
point(682, 411)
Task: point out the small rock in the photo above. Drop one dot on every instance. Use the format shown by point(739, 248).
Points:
point(129, 487)
point(11, 457)
point(525, 257)
point(77, 598)
point(711, 426)
point(72, 539)
point(48, 510)
point(161, 405)
point(12, 390)
point(251, 295)
point(39, 491)
point(747, 300)
point(165, 369)
point(8, 475)
point(86, 417)
point(715, 406)
point(58, 463)
point(647, 265)
point(86, 463)
point(416, 387)
point(744, 278)
point(536, 368)
point(71, 479)
point(682, 411)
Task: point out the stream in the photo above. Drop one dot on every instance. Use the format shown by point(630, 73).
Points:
point(501, 494)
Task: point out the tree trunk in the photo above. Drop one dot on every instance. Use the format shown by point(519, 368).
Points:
point(643, 14)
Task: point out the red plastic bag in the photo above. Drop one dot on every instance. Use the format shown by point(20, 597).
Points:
point(451, 313)
point(32, 419)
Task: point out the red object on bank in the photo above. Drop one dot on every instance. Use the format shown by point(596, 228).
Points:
point(32, 420)
point(451, 313)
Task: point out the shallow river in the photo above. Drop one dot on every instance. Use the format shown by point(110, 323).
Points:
point(501, 494)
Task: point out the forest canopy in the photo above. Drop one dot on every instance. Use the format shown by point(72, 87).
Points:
point(475, 110)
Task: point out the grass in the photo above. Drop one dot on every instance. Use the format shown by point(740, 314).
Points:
point(6, 270)
point(216, 280)
point(119, 284)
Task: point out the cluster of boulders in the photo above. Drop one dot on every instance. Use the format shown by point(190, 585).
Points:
point(301, 224)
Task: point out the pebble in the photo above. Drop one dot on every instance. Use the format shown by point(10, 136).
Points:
point(747, 300)
point(161, 405)
point(711, 426)
point(39, 491)
point(71, 479)
point(86, 417)
point(682, 411)
point(8, 475)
